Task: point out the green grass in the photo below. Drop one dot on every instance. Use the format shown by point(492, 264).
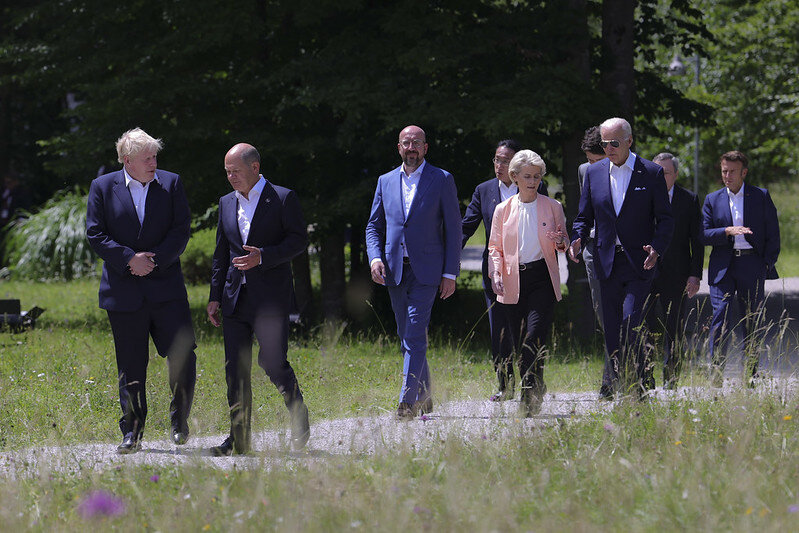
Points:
point(726, 463)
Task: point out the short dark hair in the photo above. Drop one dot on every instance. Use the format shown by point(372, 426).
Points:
point(666, 156)
point(591, 140)
point(735, 155)
point(511, 144)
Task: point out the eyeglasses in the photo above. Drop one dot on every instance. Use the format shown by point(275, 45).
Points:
point(416, 143)
point(614, 143)
point(500, 161)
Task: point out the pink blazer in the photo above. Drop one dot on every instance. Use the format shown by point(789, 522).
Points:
point(503, 245)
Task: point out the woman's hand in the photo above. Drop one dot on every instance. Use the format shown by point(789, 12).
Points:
point(559, 238)
point(497, 285)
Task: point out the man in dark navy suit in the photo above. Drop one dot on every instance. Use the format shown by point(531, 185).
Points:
point(260, 230)
point(679, 272)
point(740, 223)
point(625, 197)
point(481, 209)
point(138, 222)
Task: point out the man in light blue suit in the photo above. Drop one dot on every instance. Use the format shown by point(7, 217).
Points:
point(740, 222)
point(625, 197)
point(413, 238)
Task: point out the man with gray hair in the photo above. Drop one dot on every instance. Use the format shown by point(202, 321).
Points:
point(625, 197)
point(138, 222)
point(679, 272)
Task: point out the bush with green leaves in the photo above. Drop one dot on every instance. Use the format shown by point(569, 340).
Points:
point(51, 244)
point(196, 259)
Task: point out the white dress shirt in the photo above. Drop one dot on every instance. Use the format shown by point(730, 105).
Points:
point(409, 185)
point(619, 181)
point(246, 210)
point(671, 194)
point(138, 193)
point(529, 245)
point(737, 212)
point(506, 191)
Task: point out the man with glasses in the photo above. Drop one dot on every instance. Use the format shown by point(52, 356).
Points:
point(625, 197)
point(413, 240)
point(740, 222)
point(481, 209)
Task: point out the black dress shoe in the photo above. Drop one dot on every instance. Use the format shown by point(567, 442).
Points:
point(300, 426)
point(223, 450)
point(606, 392)
point(180, 437)
point(405, 411)
point(424, 407)
point(130, 444)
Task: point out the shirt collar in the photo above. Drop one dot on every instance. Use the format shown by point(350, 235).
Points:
point(255, 192)
point(738, 194)
point(506, 187)
point(630, 162)
point(416, 173)
point(128, 179)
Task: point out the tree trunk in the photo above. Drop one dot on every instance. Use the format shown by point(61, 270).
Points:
point(303, 292)
point(618, 52)
point(580, 310)
point(331, 265)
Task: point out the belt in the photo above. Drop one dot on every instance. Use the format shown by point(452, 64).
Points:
point(406, 260)
point(619, 248)
point(740, 252)
point(526, 266)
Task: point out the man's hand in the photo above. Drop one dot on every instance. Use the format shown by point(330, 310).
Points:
point(574, 250)
point(142, 263)
point(447, 288)
point(692, 286)
point(252, 259)
point(212, 309)
point(737, 230)
point(378, 272)
point(497, 286)
point(651, 258)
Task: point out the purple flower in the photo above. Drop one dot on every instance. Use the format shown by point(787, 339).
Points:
point(424, 418)
point(101, 503)
point(154, 478)
point(610, 427)
point(417, 509)
point(793, 509)
point(483, 436)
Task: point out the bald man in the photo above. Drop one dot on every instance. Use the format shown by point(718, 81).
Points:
point(260, 230)
point(413, 239)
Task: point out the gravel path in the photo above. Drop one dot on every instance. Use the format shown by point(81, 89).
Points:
point(466, 419)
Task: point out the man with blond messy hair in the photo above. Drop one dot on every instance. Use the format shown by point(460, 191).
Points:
point(138, 222)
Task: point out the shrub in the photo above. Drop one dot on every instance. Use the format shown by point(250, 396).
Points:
point(196, 260)
point(51, 244)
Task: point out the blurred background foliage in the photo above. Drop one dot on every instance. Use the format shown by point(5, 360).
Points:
point(322, 89)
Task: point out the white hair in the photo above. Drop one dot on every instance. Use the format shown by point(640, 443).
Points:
point(615, 122)
point(134, 141)
point(524, 158)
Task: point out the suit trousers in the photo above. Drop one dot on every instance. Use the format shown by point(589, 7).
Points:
point(169, 325)
point(593, 281)
point(624, 294)
point(743, 284)
point(272, 332)
point(501, 342)
point(412, 302)
point(666, 309)
point(530, 321)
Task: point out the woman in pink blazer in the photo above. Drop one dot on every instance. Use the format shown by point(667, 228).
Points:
point(526, 233)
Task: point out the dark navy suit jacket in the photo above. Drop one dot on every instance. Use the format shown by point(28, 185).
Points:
point(760, 216)
point(279, 230)
point(685, 255)
point(114, 232)
point(644, 218)
point(431, 231)
point(485, 198)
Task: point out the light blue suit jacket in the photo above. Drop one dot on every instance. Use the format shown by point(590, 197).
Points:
point(431, 231)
